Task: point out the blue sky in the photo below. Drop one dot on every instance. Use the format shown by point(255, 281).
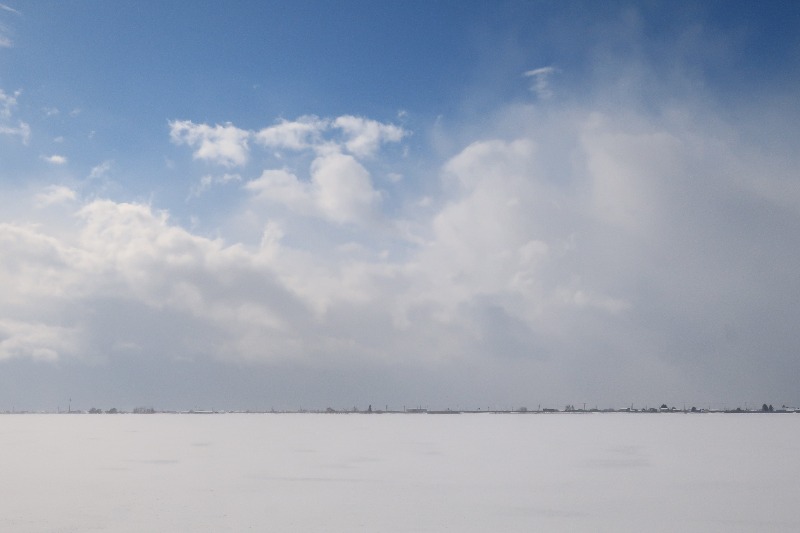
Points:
point(262, 204)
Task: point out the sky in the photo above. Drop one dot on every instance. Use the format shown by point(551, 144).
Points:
point(306, 204)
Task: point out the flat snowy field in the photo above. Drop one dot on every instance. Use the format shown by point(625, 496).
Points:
point(400, 473)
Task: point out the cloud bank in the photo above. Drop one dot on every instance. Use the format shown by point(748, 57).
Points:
point(575, 249)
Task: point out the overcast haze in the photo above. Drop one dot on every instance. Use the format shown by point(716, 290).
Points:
point(311, 204)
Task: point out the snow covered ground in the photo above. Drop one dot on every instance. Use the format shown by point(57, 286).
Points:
point(400, 473)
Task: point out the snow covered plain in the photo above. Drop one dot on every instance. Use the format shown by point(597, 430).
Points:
point(400, 473)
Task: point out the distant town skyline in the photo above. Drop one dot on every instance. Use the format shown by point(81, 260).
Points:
point(307, 204)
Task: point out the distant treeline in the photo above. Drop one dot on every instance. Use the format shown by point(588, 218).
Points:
point(569, 409)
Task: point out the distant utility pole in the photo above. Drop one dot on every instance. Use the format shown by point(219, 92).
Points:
point(69, 406)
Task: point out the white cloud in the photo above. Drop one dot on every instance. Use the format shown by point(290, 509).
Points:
point(55, 159)
point(340, 189)
point(224, 145)
point(35, 340)
point(337, 187)
point(364, 136)
point(131, 258)
point(494, 236)
point(229, 146)
point(283, 187)
point(54, 194)
point(299, 134)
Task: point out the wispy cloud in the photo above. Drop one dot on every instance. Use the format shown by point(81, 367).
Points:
point(21, 130)
point(207, 181)
point(9, 9)
point(100, 171)
point(8, 103)
point(5, 40)
point(541, 81)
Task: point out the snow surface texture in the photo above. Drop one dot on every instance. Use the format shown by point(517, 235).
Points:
point(400, 473)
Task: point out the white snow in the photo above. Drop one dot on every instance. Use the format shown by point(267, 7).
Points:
point(400, 473)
